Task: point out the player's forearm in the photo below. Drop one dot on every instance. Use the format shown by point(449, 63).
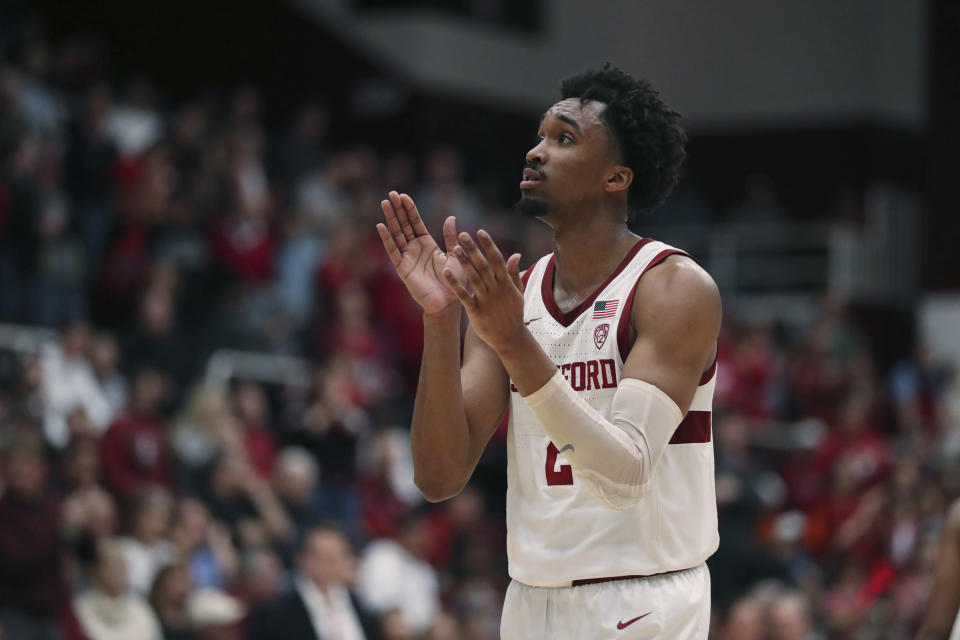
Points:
point(526, 362)
point(439, 434)
point(615, 458)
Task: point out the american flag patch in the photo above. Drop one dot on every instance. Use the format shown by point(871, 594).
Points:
point(605, 308)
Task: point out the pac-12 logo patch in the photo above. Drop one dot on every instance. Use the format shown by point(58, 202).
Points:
point(600, 334)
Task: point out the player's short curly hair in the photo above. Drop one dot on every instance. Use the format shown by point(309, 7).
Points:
point(647, 130)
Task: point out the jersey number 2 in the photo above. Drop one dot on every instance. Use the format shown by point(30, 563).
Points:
point(557, 474)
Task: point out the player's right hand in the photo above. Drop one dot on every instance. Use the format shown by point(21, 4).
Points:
point(415, 255)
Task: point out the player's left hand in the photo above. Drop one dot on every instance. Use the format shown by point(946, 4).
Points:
point(495, 306)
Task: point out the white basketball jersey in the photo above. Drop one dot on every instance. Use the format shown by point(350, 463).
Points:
point(557, 531)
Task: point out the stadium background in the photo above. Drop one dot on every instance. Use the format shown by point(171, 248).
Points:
point(201, 330)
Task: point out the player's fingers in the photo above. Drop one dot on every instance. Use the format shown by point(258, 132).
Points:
point(470, 271)
point(401, 215)
point(390, 215)
point(479, 260)
point(389, 244)
point(494, 257)
point(413, 214)
point(450, 233)
point(459, 290)
point(513, 268)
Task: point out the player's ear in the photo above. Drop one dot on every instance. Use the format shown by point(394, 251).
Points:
point(619, 178)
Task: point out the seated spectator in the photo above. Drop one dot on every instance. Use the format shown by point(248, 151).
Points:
point(387, 490)
point(203, 429)
point(105, 358)
point(147, 549)
point(32, 589)
point(392, 626)
point(461, 538)
point(204, 545)
point(214, 615)
point(260, 577)
point(394, 574)
point(134, 123)
point(89, 511)
point(168, 597)
point(108, 609)
point(790, 618)
point(331, 427)
point(745, 621)
point(252, 414)
point(245, 502)
point(295, 481)
point(79, 466)
point(444, 627)
point(135, 451)
point(321, 605)
point(87, 507)
point(243, 244)
point(445, 193)
point(157, 341)
point(28, 399)
point(69, 383)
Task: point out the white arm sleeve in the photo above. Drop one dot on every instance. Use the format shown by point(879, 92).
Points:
point(614, 459)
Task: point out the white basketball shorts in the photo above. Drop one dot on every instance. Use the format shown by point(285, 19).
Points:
point(673, 605)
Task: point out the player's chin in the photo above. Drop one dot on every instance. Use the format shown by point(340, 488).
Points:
point(532, 206)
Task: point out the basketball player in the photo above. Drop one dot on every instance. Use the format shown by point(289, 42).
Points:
point(942, 612)
point(604, 352)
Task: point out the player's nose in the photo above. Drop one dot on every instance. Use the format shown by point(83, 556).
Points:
point(536, 155)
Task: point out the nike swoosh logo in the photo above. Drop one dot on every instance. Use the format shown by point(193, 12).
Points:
point(624, 625)
point(565, 447)
point(527, 322)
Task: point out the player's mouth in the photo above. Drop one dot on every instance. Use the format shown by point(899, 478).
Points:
point(531, 178)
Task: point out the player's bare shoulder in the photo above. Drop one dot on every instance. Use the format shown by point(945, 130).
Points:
point(680, 294)
point(951, 520)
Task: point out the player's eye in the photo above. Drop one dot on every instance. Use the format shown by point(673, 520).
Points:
point(564, 138)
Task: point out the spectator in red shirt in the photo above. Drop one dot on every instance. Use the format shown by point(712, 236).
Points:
point(135, 452)
point(243, 243)
point(250, 408)
point(856, 442)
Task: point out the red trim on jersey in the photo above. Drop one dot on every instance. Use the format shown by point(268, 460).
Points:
point(695, 428)
point(623, 327)
point(526, 274)
point(546, 287)
point(709, 373)
point(580, 583)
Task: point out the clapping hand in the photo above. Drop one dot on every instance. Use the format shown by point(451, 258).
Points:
point(415, 255)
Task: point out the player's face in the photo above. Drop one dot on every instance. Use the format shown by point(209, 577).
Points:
point(568, 167)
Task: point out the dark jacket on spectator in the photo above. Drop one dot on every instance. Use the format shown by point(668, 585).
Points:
point(31, 573)
point(287, 617)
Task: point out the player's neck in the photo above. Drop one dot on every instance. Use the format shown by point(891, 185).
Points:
point(585, 255)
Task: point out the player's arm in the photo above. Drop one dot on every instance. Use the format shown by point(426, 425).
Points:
point(945, 596)
point(677, 327)
point(457, 407)
point(676, 317)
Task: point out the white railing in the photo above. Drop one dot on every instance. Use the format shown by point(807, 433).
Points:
point(25, 339)
point(227, 364)
point(221, 367)
point(874, 261)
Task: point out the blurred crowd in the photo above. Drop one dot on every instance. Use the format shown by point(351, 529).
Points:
point(143, 498)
